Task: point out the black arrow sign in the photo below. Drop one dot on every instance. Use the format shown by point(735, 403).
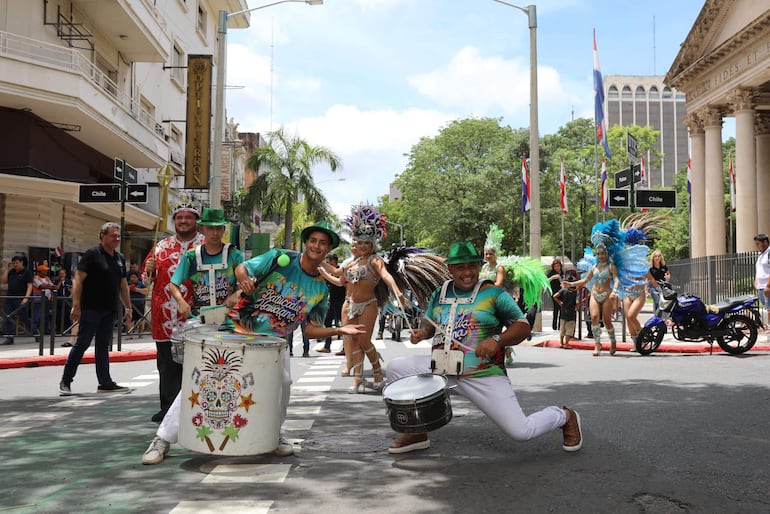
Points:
point(656, 198)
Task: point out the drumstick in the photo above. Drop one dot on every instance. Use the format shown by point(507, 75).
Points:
point(403, 313)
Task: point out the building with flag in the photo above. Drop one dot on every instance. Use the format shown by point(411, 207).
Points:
point(647, 101)
point(723, 69)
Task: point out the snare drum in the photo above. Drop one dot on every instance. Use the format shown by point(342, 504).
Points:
point(419, 403)
point(231, 392)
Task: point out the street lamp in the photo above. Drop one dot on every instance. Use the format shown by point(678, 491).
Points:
point(401, 241)
point(215, 187)
point(534, 135)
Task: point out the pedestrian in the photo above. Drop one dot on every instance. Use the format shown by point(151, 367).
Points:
point(42, 287)
point(213, 262)
point(100, 281)
point(568, 302)
point(19, 279)
point(472, 314)
point(659, 272)
point(64, 290)
point(555, 276)
point(159, 267)
point(336, 299)
point(762, 274)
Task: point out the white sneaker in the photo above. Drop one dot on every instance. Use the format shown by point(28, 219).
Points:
point(156, 451)
point(284, 449)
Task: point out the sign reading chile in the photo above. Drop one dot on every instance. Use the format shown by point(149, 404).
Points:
point(656, 198)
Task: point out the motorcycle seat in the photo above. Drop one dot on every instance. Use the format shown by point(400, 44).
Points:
point(733, 301)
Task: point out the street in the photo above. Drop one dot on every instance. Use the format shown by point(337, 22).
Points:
point(665, 433)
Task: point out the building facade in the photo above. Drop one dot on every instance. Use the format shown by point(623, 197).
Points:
point(83, 82)
point(723, 67)
point(647, 101)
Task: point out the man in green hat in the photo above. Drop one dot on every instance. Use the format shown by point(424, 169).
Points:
point(480, 320)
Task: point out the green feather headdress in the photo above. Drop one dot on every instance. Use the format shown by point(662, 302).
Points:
point(494, 239)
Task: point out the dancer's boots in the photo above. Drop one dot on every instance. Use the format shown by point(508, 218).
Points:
point(611, 333)
point(597, 331)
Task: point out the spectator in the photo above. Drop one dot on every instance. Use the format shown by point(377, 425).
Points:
point(762, 273)
point(100, 280)
point(336, 299)
point(19, 279)
point(41, 305)
point(659, 271)
point(138, 292)
point(555, 276)
point(64, 307)
point(568, 302)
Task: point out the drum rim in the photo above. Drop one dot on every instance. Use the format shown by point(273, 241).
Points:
point(435, 394)
point(210, 335)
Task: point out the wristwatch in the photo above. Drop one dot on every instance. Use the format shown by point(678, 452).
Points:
point(496, 338)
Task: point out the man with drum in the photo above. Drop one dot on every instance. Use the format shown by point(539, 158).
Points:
point(207, 267)
point(474, 313)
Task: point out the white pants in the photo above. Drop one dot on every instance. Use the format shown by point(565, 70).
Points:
point(493, 395)
point(169, 427)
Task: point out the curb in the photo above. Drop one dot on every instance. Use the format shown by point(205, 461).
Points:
point(687, 348)
point(88, 358)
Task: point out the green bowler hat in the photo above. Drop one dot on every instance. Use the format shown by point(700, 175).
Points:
point(462, 253)
point(213, 218)
point(323, 226)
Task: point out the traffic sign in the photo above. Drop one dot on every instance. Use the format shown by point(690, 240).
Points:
point(656, 198)
point(99, 193)
point(623, 177)
point(131, 174)
point(619, 197)
point(632, 146)
point(136, 193)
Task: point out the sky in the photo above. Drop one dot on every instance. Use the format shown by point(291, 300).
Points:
point(369, 78)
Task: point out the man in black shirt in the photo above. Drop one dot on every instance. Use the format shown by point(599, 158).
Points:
point(19, 279)
point(336, 299)
point(100, 280)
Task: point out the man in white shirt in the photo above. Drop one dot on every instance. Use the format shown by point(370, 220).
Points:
point(762, 273)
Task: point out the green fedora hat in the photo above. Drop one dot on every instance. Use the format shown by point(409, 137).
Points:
point(213, 218)
point(462, 253)
point(323, 226)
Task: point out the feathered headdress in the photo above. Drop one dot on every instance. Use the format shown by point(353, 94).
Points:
point(494, 239)
point(366, 223)
point(529, 275)
point(415, 269)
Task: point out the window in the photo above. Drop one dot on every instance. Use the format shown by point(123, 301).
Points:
point(178, 63)
point(654, 93)
point(626, 94)
point(612, 92)
point(201, 19)
point(640, 93)
point(666, 93)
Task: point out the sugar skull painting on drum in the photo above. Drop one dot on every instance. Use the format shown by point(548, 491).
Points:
point(216, 403)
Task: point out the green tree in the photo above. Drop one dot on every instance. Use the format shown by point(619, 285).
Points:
point(284, 176)
point(458, 182)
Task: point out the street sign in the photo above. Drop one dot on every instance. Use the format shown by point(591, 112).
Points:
point(656, 198)
point(99, 193)
point(131, 174)
point(632, 146)
point(623, 177)
point(136, 193)
point(619, 197)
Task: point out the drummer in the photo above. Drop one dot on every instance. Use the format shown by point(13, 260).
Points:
point(475, 312)
point(215, 258)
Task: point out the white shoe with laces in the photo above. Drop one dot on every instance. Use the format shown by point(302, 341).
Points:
point(156, 451)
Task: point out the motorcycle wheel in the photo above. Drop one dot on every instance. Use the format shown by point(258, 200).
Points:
point(649, 338)
point(397, 327)
point(742, 334)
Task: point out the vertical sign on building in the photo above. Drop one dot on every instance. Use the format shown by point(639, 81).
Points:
point(198, 130)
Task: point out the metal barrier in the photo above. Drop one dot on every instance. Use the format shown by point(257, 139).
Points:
point(715, 278)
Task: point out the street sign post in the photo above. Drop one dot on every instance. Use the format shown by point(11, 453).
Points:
point(656, 198)
point(632, 147)
point(121, 166)
point(619, 197)
point(99, 193)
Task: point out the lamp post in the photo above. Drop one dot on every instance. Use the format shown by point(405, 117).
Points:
point(215, 187)
point(534, 134)
point(401, 241)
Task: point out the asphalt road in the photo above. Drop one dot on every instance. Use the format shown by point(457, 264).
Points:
point(665, 433)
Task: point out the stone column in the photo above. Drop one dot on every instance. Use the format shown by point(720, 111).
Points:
point(716, 222)
point(697, 186)
point(762, 131)
point(742, 101)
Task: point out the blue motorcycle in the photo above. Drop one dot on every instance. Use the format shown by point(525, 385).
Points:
point(732, 323)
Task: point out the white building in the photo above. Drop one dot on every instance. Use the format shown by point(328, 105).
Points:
point(83, 82)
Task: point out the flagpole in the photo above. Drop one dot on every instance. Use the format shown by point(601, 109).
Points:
point(563, 254)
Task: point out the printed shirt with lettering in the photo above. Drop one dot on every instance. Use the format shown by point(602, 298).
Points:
point(225, 278)
point(492, 310)
point(284, 299)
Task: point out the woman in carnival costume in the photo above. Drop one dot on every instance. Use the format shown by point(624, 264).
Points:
point(362, 275)
point(490, 269)
point(609, 270)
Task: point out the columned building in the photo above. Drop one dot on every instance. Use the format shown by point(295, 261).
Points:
point(723, 67)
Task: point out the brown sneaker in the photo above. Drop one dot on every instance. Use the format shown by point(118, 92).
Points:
point(323, 350)
point(573, 434)
point(409, 443)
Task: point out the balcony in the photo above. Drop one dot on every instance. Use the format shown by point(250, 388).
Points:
point(64, 88)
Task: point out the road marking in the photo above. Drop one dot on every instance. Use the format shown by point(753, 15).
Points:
point(312, 389)
point(152, 376)
point(304, 410)
point(219, 506)
point(136, 385)
point(247, 473)
point(296, 425)
point(316, 379)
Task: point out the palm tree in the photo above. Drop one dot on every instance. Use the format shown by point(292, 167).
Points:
point(284, 174)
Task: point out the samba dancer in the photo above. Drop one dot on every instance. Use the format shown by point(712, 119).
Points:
point(472, 314)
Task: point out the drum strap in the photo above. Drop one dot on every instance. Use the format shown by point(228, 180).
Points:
point(454, 302)
point(212, 269)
